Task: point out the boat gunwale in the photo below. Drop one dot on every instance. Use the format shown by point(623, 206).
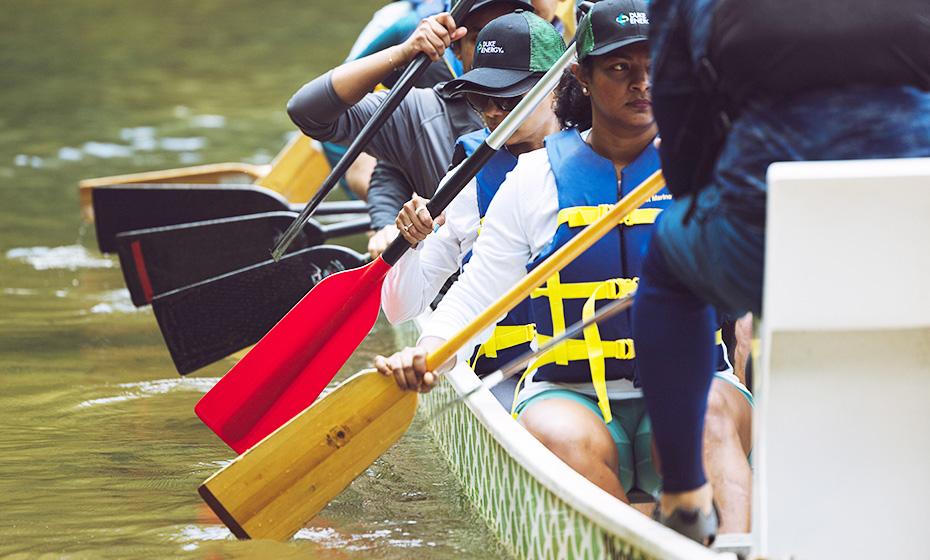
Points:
point(593, 503)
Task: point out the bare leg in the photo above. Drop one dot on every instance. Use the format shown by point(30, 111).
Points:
point(727, 441)
point(743, 348)
point(578, 437)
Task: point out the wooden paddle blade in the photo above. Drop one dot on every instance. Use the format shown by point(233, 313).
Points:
point(157, 260)
point(210, 320)
point(278, 486)
point(131, 207)
point(286, 371)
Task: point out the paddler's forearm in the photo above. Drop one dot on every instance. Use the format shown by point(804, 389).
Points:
point(354, 79)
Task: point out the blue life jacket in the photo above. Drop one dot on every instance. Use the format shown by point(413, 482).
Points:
point(513, 334)
point(588, 188)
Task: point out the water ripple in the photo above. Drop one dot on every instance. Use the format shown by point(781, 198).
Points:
point(69, 257)
point(145, 389)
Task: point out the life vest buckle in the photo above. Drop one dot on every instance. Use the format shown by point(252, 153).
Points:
point(621, 287)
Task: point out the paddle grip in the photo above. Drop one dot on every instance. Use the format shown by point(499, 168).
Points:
point(413, 71)
point(449, 190)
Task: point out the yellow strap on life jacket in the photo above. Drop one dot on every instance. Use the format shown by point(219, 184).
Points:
point(554, 287)
point(504, 337)
point(595, 346)
point(579, 216)
point(614, 288)
point(577, 350)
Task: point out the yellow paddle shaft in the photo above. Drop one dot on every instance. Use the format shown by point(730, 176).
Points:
point(559, 260)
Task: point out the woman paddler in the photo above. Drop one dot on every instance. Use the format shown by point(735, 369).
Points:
point(512, 53)
point(581, 400)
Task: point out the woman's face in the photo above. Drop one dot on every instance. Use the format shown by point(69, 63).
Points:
point(533, 129)
point(619, 86)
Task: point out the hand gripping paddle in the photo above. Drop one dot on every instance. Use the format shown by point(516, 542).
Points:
point(286, 371)
point(404, 84)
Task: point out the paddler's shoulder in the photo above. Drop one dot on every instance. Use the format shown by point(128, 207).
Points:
point(530, 172)
point(533, 164)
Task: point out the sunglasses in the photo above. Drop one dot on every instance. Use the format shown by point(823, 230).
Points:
point(482, 103)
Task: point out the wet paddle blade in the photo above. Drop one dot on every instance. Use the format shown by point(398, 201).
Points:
point(158, 260)
point(131, 207)
point(210, 320)
point(286, 371)
point(278, 486)
point(120, 208)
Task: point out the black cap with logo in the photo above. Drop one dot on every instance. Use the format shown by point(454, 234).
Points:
point(515, 4)
point(610, 25)
point(511, 53)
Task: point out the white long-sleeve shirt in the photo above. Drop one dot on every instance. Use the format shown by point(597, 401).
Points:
point(415, 280)
point(520, 222)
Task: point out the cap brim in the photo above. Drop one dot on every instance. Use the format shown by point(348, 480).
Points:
point(611, 47)
point(501, 82)
point(517, 4)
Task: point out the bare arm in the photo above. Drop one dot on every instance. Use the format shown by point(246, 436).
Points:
point(354, 79)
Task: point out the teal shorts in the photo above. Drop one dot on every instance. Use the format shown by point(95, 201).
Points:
point(631, 431)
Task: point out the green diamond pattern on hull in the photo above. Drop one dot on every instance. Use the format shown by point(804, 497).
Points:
point(538, 507)
point(530, 520)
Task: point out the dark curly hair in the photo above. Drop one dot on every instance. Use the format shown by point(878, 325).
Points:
point(572, 107)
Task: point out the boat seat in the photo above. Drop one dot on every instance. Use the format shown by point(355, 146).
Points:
point(298, 169)
point(843, 393)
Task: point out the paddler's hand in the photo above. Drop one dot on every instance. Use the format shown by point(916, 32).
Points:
point(414, 221)
point(380, 241)
point(432, 36)
point(408, 367)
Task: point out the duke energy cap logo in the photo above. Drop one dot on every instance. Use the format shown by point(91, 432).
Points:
point(635, 18)
point(490, 47)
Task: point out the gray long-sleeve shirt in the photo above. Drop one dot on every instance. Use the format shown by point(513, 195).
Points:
point(388, 190)
point(418, 137)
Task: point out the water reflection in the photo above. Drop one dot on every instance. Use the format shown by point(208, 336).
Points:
point(100, 452)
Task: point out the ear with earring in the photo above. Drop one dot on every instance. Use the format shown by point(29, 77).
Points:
point(584, 90)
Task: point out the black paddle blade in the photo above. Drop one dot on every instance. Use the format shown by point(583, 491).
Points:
point(122, 208)
point(210, 320)
point(158, 260)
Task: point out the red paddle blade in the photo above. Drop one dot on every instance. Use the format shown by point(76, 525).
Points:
point(292, 364)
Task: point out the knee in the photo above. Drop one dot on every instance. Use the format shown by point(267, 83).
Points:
point(719, 424)
point(574, 446)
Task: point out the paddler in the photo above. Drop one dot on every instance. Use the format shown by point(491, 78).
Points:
point(512, 54)
point(807, 92)
point(390, 188)
point(419, 136)
point(581, 399)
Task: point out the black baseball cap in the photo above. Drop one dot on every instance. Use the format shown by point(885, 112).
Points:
point(512, 53)
point(516, 4)
point(610, 25)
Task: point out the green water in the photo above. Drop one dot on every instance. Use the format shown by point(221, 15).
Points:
point(100, 453)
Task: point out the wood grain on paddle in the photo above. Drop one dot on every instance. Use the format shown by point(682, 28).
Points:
point(278, 486)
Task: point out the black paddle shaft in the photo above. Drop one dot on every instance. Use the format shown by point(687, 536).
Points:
point(452, 187)
point(411, 74)
point(494, 142)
